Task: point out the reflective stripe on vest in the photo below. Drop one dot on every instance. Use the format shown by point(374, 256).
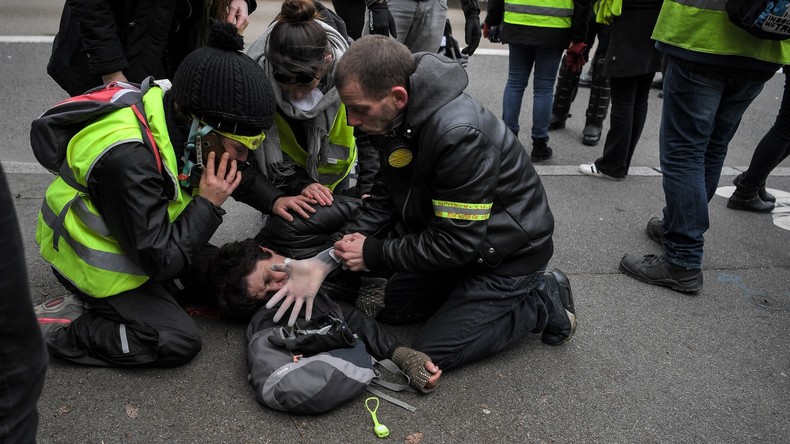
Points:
point(72, 235)
point(703, 26)
point(540, 13)
point(342, 149)
point(461, 210)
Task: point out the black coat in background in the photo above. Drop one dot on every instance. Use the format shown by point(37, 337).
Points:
point(139, 37)
point(631, 50)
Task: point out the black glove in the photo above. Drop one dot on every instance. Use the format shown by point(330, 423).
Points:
point(492, 33)
point(311, 342)
point(472, 31)
point(380, 20)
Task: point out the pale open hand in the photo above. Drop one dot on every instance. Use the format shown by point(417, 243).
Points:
point(319, 193)
point(304, 280)
point(298, 204)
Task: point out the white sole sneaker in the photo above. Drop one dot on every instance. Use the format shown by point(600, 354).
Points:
point(589, 169)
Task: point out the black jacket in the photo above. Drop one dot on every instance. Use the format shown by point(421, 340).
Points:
point(539, 36)
point(139, 37)
point(462, 153)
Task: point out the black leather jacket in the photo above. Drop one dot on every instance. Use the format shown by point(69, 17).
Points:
point(460, 153)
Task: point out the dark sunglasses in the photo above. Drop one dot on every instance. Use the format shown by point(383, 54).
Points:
point(297, 79)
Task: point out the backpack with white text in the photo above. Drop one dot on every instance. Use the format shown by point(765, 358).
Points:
point(765, 19)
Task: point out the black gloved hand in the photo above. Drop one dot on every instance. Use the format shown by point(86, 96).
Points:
point(472, 32)
point(492, 33)
point(380, 20)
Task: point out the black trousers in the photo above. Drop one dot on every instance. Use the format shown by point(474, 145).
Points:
point(146, 326)
point(774, 146)
point(627, 119)
point(468, 316)
point(23, 357)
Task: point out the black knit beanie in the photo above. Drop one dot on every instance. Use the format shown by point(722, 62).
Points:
point(224, 87)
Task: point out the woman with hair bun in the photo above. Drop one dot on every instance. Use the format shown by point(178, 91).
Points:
point(311, 150)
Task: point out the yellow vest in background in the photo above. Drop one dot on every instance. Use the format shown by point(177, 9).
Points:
point(540, 13)
point(703, 26)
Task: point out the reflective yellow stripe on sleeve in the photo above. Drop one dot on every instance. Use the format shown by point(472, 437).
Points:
point(461, 210)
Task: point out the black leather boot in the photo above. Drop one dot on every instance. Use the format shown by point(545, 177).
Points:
point(540, 150)
point(764, 195)
point(564, 93)
point(747, 198)
point(600, 96)
point(558, 298)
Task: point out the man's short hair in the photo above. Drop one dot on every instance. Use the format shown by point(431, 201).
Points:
point(235, 261)
point(377, 63)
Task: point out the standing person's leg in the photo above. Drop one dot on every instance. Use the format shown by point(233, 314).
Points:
point(144, 326)
point(770, 152)
point(23, 357)
point(353, 14)
point(427, 27)
point(547, 61)
point(419, 24)
point(615, 151)
point(699, 117)
point(737, 96)
point(520, 61)
point(483, 315)
point(643, 85)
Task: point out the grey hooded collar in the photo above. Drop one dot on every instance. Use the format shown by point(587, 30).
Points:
point(435, 82)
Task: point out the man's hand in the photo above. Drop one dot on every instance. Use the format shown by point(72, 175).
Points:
point(380, 19)
point(298, 204)
point(574, 57)
point(116, 76)
point(472, 32)
point(304, 280)
point(319, 193)
point(238, 14)
point(349, 251)
point(492, 33)
point(217, 187)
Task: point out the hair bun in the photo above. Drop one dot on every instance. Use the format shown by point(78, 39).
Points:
point(225, 36)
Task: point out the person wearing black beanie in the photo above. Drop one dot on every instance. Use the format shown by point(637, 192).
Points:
point(129, 235)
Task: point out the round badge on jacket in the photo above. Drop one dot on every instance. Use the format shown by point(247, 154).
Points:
point(400, 158)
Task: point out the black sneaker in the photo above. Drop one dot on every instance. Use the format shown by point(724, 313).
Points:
point(655, 270)
point(558, 298)
point(655, 230)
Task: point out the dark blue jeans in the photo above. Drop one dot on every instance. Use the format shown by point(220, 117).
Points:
point(23, 357)
point(700, 116)
point(468, 316)
point(521, 60)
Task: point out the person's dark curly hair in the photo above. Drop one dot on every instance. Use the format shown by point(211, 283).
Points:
point(234, 262)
